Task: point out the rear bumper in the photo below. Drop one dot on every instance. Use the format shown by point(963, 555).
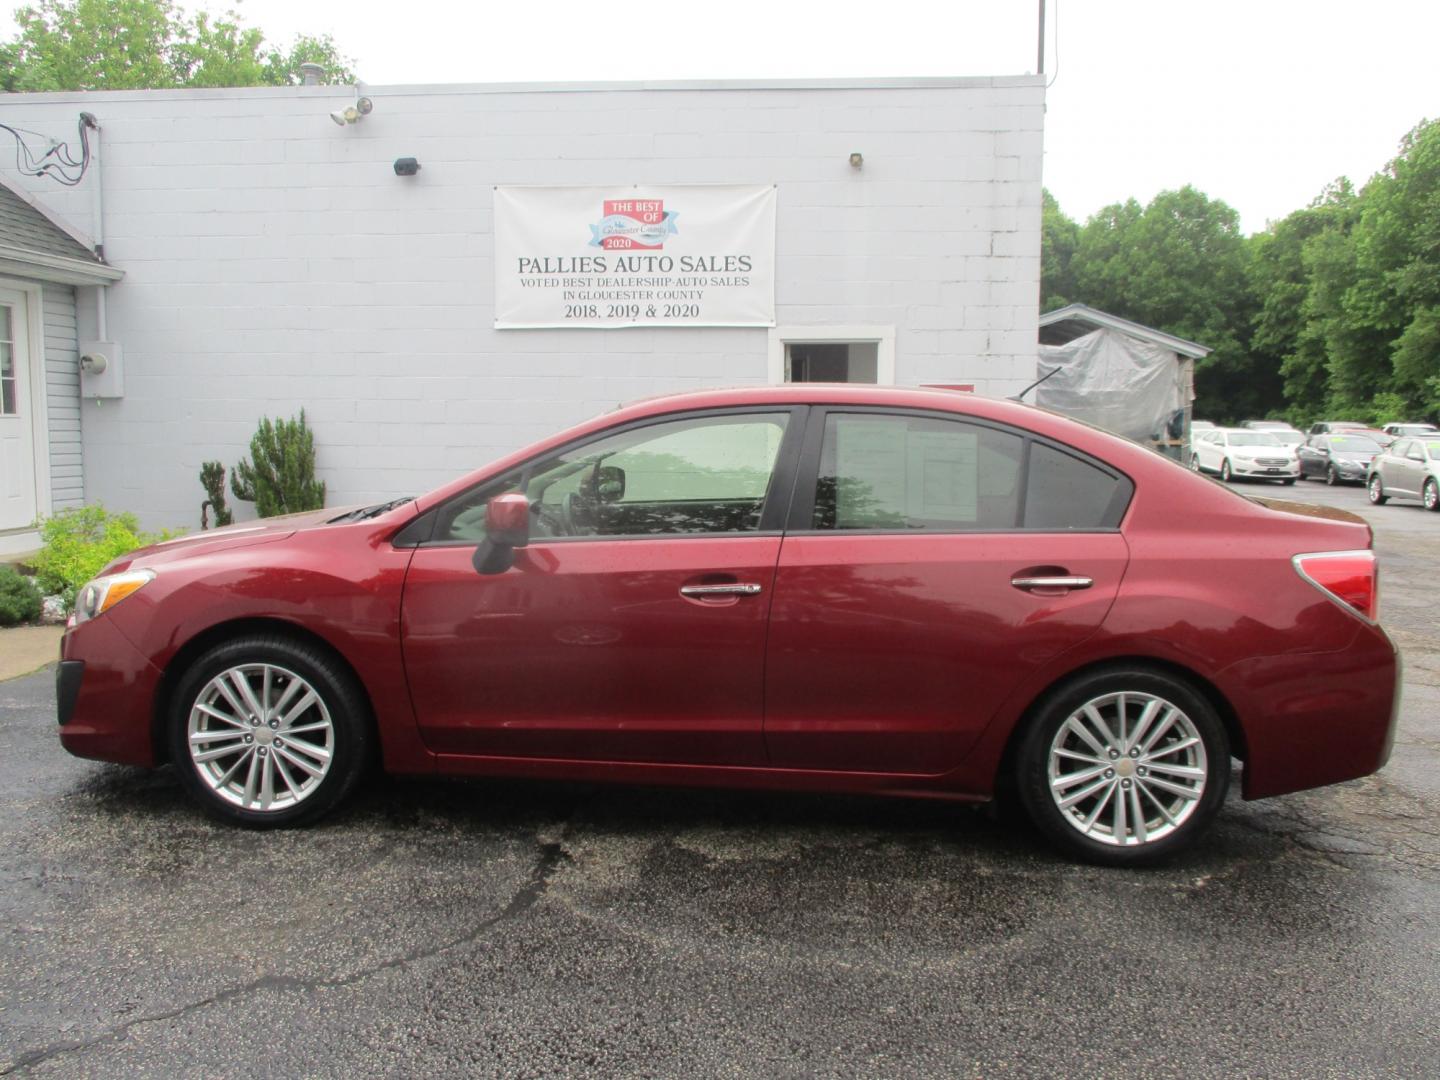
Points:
point(105, 690)
point(1304, 730)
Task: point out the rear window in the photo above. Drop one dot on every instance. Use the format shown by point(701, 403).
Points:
point(1065, 492)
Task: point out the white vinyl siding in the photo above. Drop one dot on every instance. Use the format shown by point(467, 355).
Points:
point(62, 396)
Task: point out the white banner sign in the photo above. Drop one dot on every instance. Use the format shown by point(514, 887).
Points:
point(634, 256)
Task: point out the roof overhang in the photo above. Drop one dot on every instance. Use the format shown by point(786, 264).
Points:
point(60, 269)
point(1082, 313)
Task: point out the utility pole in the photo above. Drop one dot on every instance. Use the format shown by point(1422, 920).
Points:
point(1040, 53)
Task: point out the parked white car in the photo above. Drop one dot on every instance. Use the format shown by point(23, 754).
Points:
point(1408, 469)
point(1233, 452)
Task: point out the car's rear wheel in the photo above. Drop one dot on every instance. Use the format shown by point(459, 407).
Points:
point(1430, 496)
point(1124, 766)
point(1377, 491)
point(268, 731)
point(1225, 473)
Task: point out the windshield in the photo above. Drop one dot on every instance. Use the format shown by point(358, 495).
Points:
point(1433, 445)
point(1354, 444)
point(1253, 438)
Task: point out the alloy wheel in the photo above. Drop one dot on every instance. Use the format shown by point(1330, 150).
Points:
point(1431, 495)
point(1127, 769)
point(260, 737)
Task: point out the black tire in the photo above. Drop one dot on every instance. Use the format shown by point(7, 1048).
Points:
point(1376, 489)
point(1430, 496)
point(1331, 476)
point(1289, 481)
point(1225, 473)
point(339, 700)
point(1195, 463)
point(1033, 780)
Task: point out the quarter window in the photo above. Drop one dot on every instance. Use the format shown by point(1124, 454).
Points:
point(1064, 492)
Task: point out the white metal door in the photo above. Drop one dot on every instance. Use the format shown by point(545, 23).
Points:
point(17, 445)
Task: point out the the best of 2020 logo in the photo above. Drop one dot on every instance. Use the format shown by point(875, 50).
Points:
point(628, 224)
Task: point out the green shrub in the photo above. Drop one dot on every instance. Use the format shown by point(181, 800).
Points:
point(212, 477)
point(19, 599)
point(281, 479)
point(80, 542)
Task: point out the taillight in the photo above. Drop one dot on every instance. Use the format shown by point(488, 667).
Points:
point(1351, 577)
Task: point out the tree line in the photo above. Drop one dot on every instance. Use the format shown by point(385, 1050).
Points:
point(151, 45)
point(1333, 311)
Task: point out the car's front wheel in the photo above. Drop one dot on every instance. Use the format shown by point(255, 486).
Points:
point(1225, 473)
point(1331, 476)
point(1377, 490)
point(1124, 766)
point(267, 731)
point(1194, 462)
point(1430, 496)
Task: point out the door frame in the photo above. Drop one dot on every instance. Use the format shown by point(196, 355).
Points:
point(32, 294)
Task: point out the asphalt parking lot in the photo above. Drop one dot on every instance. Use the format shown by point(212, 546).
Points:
point(526, 930)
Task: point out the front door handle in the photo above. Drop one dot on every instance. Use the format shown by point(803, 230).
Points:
point(1056, 582)
point(745, 588)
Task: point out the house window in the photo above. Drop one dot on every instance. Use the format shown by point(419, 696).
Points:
point(845, 354)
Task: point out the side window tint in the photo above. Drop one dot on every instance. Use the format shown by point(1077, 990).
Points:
point(1064, 492)
point(699, 475)
point(894, 472)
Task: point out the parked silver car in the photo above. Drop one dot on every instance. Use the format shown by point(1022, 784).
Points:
point(1408, 469)
point(1401, 431)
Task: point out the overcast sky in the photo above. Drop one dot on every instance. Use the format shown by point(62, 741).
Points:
point(1257, 102)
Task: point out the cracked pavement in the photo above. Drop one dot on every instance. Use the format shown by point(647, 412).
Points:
point(508, 929)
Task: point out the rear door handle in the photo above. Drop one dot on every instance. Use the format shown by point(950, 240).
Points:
point(745, 588)
point(1057, 582)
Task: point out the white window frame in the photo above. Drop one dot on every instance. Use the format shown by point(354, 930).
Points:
point(882, 337)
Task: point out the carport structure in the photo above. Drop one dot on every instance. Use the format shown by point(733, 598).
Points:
point(1123, 376)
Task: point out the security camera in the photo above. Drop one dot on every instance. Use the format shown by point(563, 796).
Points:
point(406, 166)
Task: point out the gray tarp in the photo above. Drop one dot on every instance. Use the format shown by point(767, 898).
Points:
point(1116, 382)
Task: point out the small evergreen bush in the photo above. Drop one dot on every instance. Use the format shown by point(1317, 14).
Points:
point(80, 542)
point(279, 477)
point(19, 599)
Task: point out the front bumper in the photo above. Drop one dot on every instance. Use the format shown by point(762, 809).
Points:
point(105, 691)
point(1256, 468)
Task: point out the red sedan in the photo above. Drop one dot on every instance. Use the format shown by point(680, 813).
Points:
point(853, 589)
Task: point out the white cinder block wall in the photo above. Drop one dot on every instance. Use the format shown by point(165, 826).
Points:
point(274, 260)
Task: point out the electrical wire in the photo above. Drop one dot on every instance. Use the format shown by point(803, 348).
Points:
point(57, 163)
point(1057, 47)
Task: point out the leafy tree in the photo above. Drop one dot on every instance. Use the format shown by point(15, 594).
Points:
point(1059, 237)
point(1290, 329)
point(150, 45)
point(1179, 264)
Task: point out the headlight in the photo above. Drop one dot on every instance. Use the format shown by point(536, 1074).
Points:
point(104, 593)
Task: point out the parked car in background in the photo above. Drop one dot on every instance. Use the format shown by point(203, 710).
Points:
point(1337, 458)
point(1233, 452)
point(1403, 430)
point(1408, 469)
point(1324, 427)
point(1267, 425)
point(852, 589)
point(1384, 438)
point(1288, 437)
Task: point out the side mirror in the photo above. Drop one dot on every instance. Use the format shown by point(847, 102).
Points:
point(609, 483)
point(507, 527)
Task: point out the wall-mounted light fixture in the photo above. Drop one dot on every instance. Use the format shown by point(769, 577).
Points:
point(351, 114)
point(857, 159)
